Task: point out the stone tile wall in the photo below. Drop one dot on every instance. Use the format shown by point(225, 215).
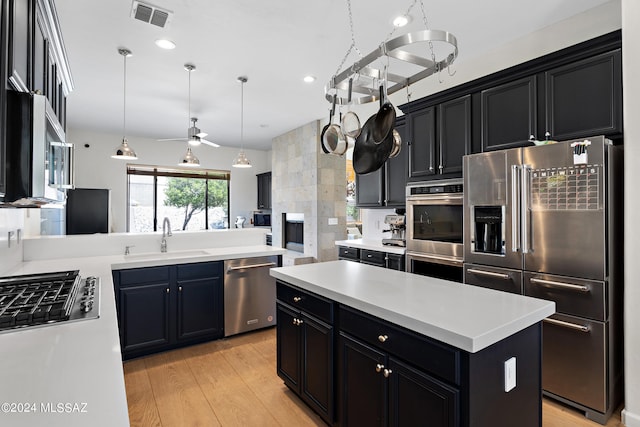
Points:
point(306, 180)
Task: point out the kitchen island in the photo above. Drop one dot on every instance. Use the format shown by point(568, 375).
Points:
point(70, 373)
point(408, 348)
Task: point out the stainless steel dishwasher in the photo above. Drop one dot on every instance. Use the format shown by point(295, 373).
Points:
point(249, 294)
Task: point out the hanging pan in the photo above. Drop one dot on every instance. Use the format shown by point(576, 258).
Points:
point(351, 121)
point(333, 140)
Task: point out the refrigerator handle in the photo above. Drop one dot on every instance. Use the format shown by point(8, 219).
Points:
point(524, 211)
point(515, 204)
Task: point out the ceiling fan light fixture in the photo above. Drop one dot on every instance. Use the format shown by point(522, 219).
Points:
point(124, 151)
point(189, 159)
point(194, 141)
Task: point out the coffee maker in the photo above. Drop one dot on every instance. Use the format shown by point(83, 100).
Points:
point(397, 228)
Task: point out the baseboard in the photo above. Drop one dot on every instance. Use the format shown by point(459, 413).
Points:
point(629, 419)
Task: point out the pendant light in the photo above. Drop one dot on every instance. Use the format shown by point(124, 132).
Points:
point(241, 161)
point(124, 151)
point(189, 158)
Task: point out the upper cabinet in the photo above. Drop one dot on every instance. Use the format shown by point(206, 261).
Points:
point(585, 97)
point(440, 135)
point(264, 190)
point(20, 22)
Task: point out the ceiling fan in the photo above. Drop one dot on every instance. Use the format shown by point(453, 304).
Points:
point(194, 136)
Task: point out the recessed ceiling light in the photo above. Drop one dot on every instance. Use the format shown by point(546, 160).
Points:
point(401, 21)
point(309, 79)
point(165, 44)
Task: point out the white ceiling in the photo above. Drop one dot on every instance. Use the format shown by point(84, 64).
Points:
point(274, 43)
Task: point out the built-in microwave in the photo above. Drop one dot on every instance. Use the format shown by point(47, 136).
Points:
point(262, 219)
point(39, 160)
point(434, 226)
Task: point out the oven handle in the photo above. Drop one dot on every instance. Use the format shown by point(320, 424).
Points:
point(489, 273)
point(434, 198)
point(575, 327)
point(449, 260)
point(581, 288)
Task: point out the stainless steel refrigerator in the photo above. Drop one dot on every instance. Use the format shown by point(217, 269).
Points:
point(547, 221)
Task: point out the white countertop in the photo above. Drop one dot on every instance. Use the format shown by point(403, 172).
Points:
point(374, 245)
point(467, 317)
point(80, 362)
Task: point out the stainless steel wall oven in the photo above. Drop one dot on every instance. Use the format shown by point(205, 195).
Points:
point(435, 228)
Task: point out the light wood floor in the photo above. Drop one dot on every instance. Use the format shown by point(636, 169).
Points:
point(233, 382)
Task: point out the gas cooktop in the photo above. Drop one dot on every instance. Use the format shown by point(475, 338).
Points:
point(45, 299)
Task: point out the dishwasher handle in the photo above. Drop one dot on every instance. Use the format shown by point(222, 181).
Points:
point(245, 267)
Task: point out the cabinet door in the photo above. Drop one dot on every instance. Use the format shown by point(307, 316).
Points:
point(200, 308)
point(362, 391)
point(369, 189)
point(509, 114)
point(422, 144)
point(39, 60)
point(418, 399)
point(317, 366)
point(264, 190)
point(396, 171)
point(395, 262)
point(20, 19)
point(288, 346)
point(585, 98)
point(454, 134)
point(144, 316)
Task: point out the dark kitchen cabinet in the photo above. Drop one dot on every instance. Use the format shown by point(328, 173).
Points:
point(385, 187)
point(165, 307)
point(509, 114)
point(395, 262)
point(305, 347)
point(264, 190)
point(584, 98)
point(20, 14)
point(40, 57)
point(4, 10)
point(439, 136)
point(371, 257)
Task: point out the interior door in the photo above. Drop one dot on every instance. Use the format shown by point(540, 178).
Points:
point(564, 230)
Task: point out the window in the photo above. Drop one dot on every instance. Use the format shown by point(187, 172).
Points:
point(191, 199)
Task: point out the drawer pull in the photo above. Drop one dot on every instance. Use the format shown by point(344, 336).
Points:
point(386, 373)
point(570, 286)
point(379, 367)
point(297, 299)
point(369, 256)
point(382, 338)
point(581, 328)
point(167, 290)
point(180, 288)
point(489, 273)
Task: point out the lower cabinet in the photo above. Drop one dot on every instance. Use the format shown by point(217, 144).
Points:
point(368, 256)
point(387, 375)
point(164, 307)
point(305, 348)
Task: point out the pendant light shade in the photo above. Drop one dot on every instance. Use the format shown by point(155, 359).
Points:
point(241, 161)
point(189, 159)
point(124, 151)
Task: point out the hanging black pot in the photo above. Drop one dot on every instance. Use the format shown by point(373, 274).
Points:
point(369, 156)
point(384, 121)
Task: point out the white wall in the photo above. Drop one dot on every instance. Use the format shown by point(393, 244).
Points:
point(95, 168)
point(631, 71)
point(11, 220)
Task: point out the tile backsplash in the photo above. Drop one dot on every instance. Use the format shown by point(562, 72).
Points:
point(11, 233)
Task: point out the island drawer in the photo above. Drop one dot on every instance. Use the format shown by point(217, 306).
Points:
point(348, 253)
point(431, 356)
point(137, 276)
point(373, 257)
point(305, 301)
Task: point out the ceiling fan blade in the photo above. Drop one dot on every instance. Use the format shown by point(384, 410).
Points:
point(213, 144)
point(201, 134)
point(172, 139)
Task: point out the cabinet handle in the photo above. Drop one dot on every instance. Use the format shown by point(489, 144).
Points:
point(489, 273)
point(180, 288)
point(295, 321)
point(386, 373)
point(379, 367)
point(430, 168)
point(300, 322)
point(552, 283)
point(369, 256)
point(440, 167)
point(575, 327)
point(167, 290)
point(382, 338)
point(297, 299)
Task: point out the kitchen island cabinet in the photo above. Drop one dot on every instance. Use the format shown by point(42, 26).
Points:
point(402, 359)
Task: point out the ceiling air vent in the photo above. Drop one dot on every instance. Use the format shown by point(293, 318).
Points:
point(151, 14)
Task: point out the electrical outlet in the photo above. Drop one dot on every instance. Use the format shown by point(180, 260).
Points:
point(333, 221)
point(510, 374)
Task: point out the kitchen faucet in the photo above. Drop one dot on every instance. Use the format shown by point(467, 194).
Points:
point(166, 232)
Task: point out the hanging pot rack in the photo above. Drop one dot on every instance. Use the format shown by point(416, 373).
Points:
point(394, 82)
